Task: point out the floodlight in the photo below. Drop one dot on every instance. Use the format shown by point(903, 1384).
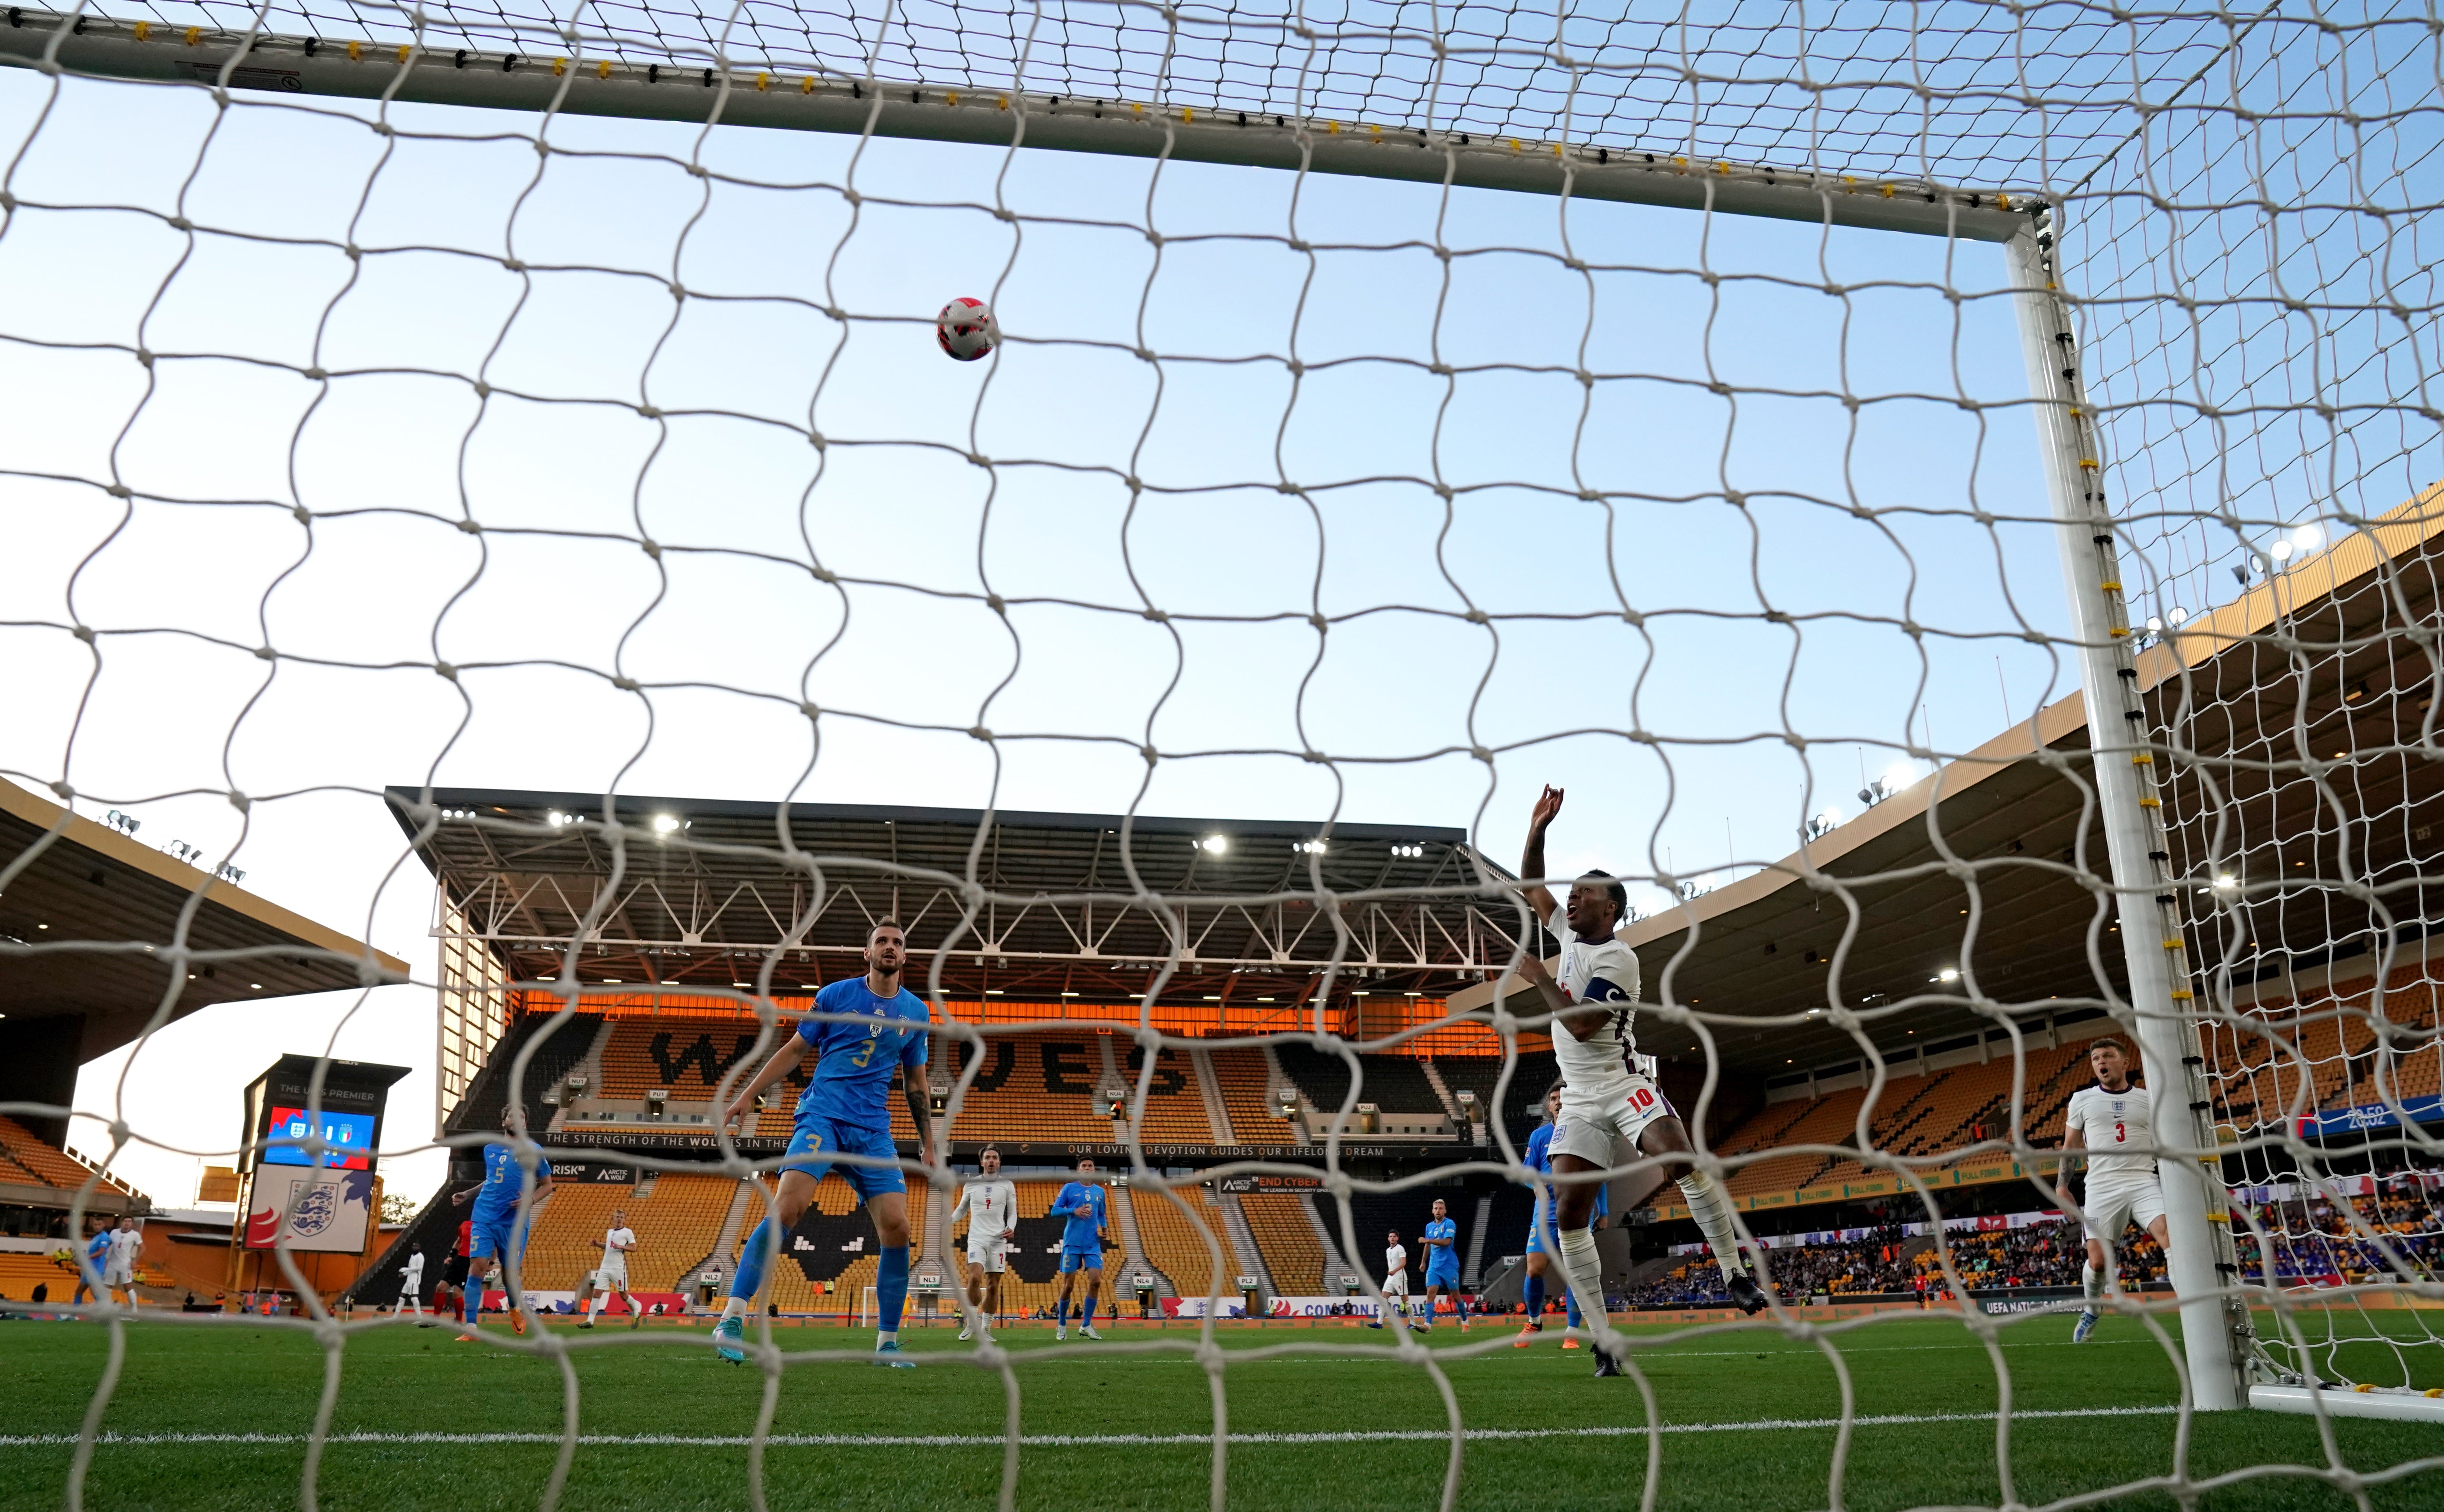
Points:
point(1217, 843)
point(2224, 882)
point(2280, 551)
point(1947, 974)
point(2309, 537)
point(665, 823)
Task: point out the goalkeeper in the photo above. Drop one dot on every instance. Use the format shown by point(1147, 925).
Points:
point(1593, 1004)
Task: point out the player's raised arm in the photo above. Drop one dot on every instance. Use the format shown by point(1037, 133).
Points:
point(792, 1051)
point(1531, 863)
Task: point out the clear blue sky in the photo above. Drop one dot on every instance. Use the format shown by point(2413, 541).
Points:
point(558, 592)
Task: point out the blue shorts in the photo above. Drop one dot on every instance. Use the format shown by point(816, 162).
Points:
point(1537, 1230)
point(1081, 1260)
point(492, 1236)
point(1446, 1277)
point(817, 1136)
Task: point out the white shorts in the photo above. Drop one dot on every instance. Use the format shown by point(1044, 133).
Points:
point(991, 1254)
point(2110, 1211)
point(1588, 1126)
point(1397, 1285)
point(612, 1277)
point(121, 1276)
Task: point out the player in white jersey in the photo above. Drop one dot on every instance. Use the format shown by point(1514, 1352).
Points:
point(1593, 997)
point(118, 1263)
point(612, 1277)
point(991, 1205)
point(1396, 1278)
point(2115, 1122)
point(411, 1290)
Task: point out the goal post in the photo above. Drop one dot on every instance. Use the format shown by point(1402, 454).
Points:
point(582, 74)
point(2200, 1259)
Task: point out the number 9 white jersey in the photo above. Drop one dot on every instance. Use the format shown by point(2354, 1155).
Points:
point(2118, 1128)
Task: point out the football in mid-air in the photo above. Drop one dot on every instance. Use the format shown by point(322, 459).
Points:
point(967, 329)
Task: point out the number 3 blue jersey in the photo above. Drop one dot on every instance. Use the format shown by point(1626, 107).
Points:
point(852, 1082)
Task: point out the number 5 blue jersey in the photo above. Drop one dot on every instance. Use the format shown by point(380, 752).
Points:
point(852, 1081)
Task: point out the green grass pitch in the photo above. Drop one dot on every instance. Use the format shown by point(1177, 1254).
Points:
point(215, 1415)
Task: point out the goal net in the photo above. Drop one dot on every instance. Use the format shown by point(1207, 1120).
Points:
point(1949, 493)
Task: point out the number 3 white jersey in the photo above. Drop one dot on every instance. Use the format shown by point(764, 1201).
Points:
point(2116, 1126)
point(1598, 1067)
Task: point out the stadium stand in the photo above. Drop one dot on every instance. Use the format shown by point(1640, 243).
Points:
point(1037, 1087)
point(20, 1273)
point(1244, 1081)
point(677, 1219)
point(1521, 1109)
point(45, 1165)
point(1392, 1083)
point(1286, 1242)
point(1172, 1243)
point(1826, 1121)
point(480, 1110)
point(1174, 1111)
point(567, 1239)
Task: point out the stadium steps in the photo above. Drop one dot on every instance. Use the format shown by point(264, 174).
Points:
point(1174, 1107)
point(1124, 1218)
point(1208, 1086)
point(1243, 1241)
point(589, 1066)
point(1451, 1104)
point(1473, 1269)
point(48, 1165)
point(1302, 1128)
point(723, 1256)
point(1245, 1077)
point(1334, 1266)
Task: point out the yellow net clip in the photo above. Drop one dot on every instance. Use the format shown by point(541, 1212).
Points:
point(2142, 758)
point(807, 85)
point(1888, 190)
point(406, 50)
point(2151, 803)
point(2001, 202)
point(559, 66)
point(951, 97)
point(2171, 945)
point(2110, 585)
point(1003, 103)
point(195, 35)
point(2181, 994)
point(602, 69)
point(2118, 630)
point(763, 80)
point(356, 51)
point(144, 29)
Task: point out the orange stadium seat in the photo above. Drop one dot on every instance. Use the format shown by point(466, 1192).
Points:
point(47, 1164)
point(1172, 1243)
point(1246, 1083)
point(675, 1226)
point(20, 1273)
point(1035, 1087)
point(1175, 1110)
point(1288, 1242)
point(567, 1239)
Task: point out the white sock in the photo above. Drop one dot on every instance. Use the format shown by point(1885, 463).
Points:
point(885, 1336)
point(734, 1307)
point(1712, 1211)
point(1583, 1267)
point(2091, 1281)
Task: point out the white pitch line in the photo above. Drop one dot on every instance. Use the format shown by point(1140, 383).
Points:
point(944, 1441)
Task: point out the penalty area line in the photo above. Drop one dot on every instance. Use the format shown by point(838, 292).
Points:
point(893, 1441)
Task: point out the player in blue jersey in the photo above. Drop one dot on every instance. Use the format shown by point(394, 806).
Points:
point(845, 1110)
point(1082, 1247)
point(497, 1243)
point(1441, 1244)
point(1543, 1233)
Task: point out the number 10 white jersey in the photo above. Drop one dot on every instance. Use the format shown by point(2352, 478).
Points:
point(1596, 1069)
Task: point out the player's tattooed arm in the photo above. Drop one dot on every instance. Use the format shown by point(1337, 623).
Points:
point(919, 1114)
point(1532, 863)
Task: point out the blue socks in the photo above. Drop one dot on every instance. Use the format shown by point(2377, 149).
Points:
point(1086, 1318)
point(1571, 1299)
point(1061, 1313)
point(749, 1278)
point(891, 1286)
point(1533, 1294)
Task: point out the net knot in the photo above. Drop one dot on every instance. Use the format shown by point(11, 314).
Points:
point(1478, 617)
point(1777, 616)
point(180, 223)
point(980, 460)
point(994, 602)
point(649, 412)
point(317, 374)
point(442, 669)
point(1320, 622)
point(1316, 757)
point(980, 732)
point(67, 793)
point(650, 547)
point(84, 633)
point(483, 390)
point(1482, 754)
point(469, 526)
point(120, 491)
point(301, 514)
point(1150, 754)
point(1161, 617)
point(266, 654)
point(810, 711)
point(515, 264)
point(626, 685)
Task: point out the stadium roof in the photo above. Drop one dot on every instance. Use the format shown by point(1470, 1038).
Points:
point(86, 914)
point(694, 892)
point(2319, 661)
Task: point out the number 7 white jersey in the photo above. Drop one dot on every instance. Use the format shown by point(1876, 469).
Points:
point(2119, 1127)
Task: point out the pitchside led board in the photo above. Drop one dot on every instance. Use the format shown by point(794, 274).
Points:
point(324, 1203)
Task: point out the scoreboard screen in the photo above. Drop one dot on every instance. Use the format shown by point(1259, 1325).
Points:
point(350, 1135)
